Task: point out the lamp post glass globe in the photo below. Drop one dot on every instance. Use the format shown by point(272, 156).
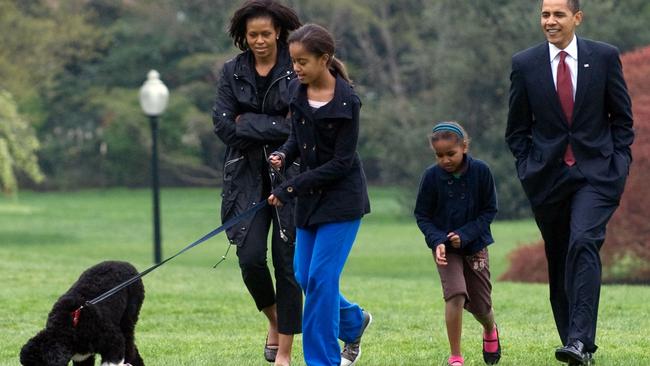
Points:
point(154, 95)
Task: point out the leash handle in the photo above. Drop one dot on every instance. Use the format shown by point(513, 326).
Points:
point(227, 225)
point(271, 167)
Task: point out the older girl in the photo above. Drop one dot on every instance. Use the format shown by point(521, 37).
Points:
point(331, 195)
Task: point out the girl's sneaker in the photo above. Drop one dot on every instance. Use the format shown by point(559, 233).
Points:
point(352, 351)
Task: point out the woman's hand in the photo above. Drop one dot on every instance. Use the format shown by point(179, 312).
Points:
point(274, 201)
point(441, 255)
point(276, 161)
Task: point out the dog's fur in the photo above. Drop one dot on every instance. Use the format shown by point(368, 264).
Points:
point(106, 328)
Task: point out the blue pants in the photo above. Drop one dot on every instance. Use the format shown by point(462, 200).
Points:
point(320, 255)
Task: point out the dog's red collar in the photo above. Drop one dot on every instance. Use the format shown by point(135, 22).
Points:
point(75, 317)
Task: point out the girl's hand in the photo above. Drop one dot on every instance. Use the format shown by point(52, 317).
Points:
point(454, 239)
point(274, 201)
point(275, 160)
point(440, 255)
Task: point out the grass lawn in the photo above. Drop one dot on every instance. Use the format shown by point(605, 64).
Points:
point(196, 315)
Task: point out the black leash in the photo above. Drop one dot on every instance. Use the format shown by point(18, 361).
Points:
point(228, 224)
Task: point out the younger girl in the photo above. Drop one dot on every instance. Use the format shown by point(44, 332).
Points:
point(455, 205)
point(331, 194)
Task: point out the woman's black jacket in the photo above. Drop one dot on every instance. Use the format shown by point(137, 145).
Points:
point(259, 131)
point(332, 184)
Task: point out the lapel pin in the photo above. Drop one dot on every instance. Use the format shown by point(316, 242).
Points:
point(586, 65)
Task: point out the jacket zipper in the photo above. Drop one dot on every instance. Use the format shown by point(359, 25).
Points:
point(232, 161)
point(270, 86)
point(271, 174)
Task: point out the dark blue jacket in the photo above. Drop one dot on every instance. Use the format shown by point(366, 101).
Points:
point(465, 205)
point(331, 185)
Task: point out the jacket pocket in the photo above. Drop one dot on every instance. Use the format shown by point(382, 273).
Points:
point(231, 162)
point(607, 150)
point(536, 154)
point(521, 167)
point(229, 190)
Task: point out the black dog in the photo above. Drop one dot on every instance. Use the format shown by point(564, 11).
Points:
point(106, 328)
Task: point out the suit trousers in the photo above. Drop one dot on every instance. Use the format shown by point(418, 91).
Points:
point(257, 277)
point(572, 221)
point(321, 253)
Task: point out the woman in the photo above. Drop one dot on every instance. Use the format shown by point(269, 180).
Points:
point(331, 192)
point(250, 116)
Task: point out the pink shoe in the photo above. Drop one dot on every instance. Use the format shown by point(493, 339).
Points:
point(492, 358)
point(455, 361)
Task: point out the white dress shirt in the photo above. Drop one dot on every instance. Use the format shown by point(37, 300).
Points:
point(571, 61)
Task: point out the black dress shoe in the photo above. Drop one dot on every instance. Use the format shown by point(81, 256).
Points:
point(588, 361)
point(573, 353)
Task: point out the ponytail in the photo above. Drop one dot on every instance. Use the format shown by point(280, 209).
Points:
point(338, 67)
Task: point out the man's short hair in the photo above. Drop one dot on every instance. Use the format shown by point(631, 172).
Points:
point(574, 5)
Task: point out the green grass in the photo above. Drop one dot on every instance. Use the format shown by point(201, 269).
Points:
point(196, 315)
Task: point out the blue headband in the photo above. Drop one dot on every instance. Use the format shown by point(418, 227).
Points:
point(446, 126)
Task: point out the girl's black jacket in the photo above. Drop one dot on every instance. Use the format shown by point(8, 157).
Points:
point(259, 131)
point(465, 205)
point(331, 185)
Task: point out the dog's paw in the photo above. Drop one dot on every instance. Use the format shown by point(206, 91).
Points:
point(115, 364)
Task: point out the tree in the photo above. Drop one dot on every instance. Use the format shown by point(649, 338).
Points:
point(626, 257)
point(18, 146)
point(414, 62)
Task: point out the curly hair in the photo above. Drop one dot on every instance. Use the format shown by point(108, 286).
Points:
point(282, 16)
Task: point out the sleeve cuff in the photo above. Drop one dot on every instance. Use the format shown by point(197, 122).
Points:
point(285, 192)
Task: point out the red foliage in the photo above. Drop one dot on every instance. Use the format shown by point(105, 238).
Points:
point(628, 233)
point(527, 264)
point(626, 253)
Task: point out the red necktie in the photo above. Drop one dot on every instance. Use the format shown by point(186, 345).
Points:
point(565, 93)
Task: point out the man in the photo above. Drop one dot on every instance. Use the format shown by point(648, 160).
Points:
point(570, 130)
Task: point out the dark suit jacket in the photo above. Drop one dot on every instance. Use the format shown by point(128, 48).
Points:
point(601, 131)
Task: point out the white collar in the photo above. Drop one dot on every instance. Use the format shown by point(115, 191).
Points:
point(571, 49)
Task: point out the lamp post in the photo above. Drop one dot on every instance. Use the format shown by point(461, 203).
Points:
point(153, 100)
